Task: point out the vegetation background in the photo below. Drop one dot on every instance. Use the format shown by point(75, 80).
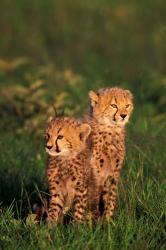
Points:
point(53, 53)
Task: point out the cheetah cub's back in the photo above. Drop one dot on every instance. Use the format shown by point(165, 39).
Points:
point(110, 111)
point(67, 167)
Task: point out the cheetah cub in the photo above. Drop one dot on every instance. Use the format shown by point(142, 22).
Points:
point(67, 167)
point(110, 111)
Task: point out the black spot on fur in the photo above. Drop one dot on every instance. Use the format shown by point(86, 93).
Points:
point(113, 181)
point(56, 195)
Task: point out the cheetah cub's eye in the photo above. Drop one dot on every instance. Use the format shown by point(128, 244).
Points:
point(60, 137)
point(113, 105)
point(128, 105)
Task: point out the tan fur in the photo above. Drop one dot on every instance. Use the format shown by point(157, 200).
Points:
point(67, 167)
point(108, 145)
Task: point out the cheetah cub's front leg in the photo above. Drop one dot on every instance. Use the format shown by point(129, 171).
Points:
point(57, 201)
point(109, 198)
point(80, 202)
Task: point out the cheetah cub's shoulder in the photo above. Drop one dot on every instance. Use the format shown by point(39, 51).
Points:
point(67, 167)
point(111, 109)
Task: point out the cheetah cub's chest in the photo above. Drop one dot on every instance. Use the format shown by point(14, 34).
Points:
point(108, 150)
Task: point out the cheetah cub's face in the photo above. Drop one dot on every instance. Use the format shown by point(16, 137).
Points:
point(111, 106)
point(65, 136)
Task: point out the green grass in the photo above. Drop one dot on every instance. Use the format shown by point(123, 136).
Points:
point(53, 53)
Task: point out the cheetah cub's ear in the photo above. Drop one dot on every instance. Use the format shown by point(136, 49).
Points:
point(94, 98)
point(129, 94)
point(85, 131)
point(50, 119)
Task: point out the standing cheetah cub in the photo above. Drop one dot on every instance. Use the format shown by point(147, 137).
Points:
point(110, 111)
point(67, 167)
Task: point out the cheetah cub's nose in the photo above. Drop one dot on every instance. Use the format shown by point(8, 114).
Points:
point(123, 115)
point(49, 147)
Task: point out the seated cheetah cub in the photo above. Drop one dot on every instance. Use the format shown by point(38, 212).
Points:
point(67, 167)
point(110, 111)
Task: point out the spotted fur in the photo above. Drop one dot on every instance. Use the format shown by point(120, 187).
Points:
point(110, 111)
point(67, 167)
